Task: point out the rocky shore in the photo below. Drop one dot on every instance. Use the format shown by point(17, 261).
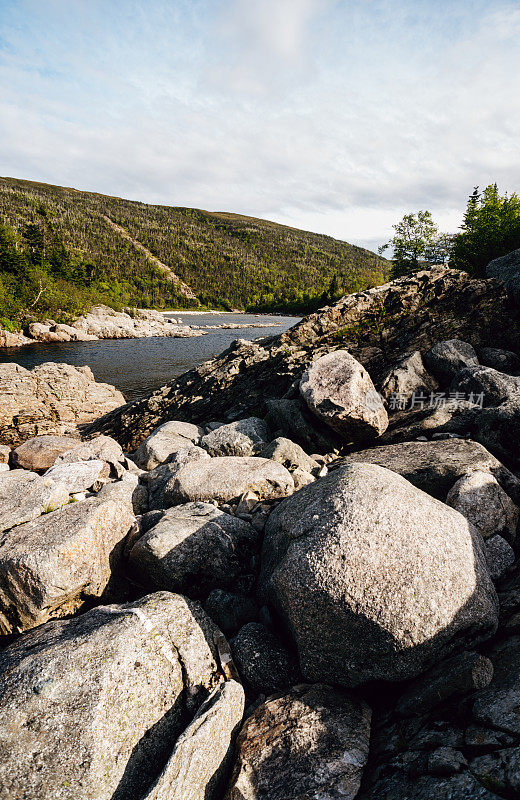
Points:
point(293, 573)
point(105, 323)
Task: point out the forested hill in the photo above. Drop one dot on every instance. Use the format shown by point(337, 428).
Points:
point(129, 252)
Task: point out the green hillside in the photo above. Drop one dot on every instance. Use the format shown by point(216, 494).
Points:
point(85, 247)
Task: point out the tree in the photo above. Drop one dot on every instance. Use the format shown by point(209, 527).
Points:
point(413, 243)
point(491, 228)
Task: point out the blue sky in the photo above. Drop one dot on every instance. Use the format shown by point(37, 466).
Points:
point(332, 115)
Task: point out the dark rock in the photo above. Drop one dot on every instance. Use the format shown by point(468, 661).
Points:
point(408, 377)
point(446, 359)
point(506, 269)
point(263, 662)
point(502, 360)
point(495, 387)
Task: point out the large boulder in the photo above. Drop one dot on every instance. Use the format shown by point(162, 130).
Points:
point(50, 398)
point(311, 743)
point(491, 386)
point(228, 477)
point(340, 392)
point(506, 269)
point(501, 360)
point(293, 419)
point(195, 548)
point(41, 452)
point(290, 454)
point(79, 475)
point(51, 565)
point(408, 377)
point(435, 466)
point(497, 706)
point(447, 358)
point(264, 663)
point(25, 496)
point(91, 706)
point(481, 499)
point(242, 438)
point(164, 442)
point(373, 578)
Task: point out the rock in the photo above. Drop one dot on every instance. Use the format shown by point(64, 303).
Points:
point(340, 392)
point(102, 448)
point(50, 399)
point(407, 378)
point(197, 766)
point(308, 744)
point(242, 438)
point(5, 454)
point(455, 676)
point(24, 496)
point(40, 453)
point(481, 499)
point(294, 421)
point(226, 478)
point(50, 565)
point(91, 706)
point(459, 787)
point(164, 442)
point(16, 339)
point(263, 662)
point(158, 479)
point(447, 358)
point(374, 579)
point(458, 418)
point(230, 611)
point(494, 387)
point(500, 771)
point(500, 557)
point(446, 761)
point(435, 466)
point(506, 269)
point(302, 478)
point(79, 475)
point(501, 360)
point(289, 454)
point(195, 548)
point(497, 706)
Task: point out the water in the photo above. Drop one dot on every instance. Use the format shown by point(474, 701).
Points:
point(138, 366)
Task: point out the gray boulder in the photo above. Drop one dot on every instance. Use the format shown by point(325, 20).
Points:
point(311, 743)
point(40, 453)
point(453, 417)
point(496, 387)
point(164, 441)
point(91, 706)
point(158, 479)
point(506, 269)
point(242, 438)
point(500, 557)
point(501, 360)
point(195, 548)
point(230, 611)
point(293, 419)
point(408, 377)
point(340, 392)
point(497, 706)
point(51, 565)
point(25, 496)
point(263, 662)
point(78, 475)
point(457, 787)
point(499, 770)
point(374, 579)
point(228, 477)
point(481, 499)
point(289, 454)
point(447, 358)
point(102, 448)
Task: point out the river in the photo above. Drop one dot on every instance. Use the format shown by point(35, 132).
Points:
point(138, 366)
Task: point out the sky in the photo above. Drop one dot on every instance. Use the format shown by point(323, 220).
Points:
point(336, 116)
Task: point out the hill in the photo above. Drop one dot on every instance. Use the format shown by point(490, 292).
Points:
point(130, 253)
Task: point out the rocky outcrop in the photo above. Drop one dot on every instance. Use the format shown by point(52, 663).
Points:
point(506, 269)
point(378, 327)
point(50, 399)
point(373, 578)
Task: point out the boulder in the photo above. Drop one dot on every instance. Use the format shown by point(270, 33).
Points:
point(481, 499)
point(453, 417)
point(494, 387)
point(164, 442)
point(293, 419)
point(51, 565)
point(501, 360)
point(158, 479)
point(506, 269)
point(408, 377)
point(289, 454)
point(458, 787)
point(497, 706)
point(198, 765)
point(24, 496)
point(373, 578)
point(40, 453)
point(78, 476)
point(91, 706)
point(435, 466)
point(102, 448)
point(228, 477)
point(447, 358)
point(242, 438)
point(264, 664)
point(195, 548)
point(500, 557)
point(5, 454)
point(50, 399)
point(340, 392)
point(230, 611)
point(499, 770)
point(311, 743)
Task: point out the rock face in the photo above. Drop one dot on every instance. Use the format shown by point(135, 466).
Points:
point(50, 565)
point(41, 452)
point(340, 392)
point(165, 441)
point(25, 495)
point(506, 269)
point(378, 327)
point(91, 706)
point(228, 477)
point(447, 358)
point(373, 578)
point(242, 438)
point(308, 744)
point(195, 548)
point(481, 499)
point(50, 398)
